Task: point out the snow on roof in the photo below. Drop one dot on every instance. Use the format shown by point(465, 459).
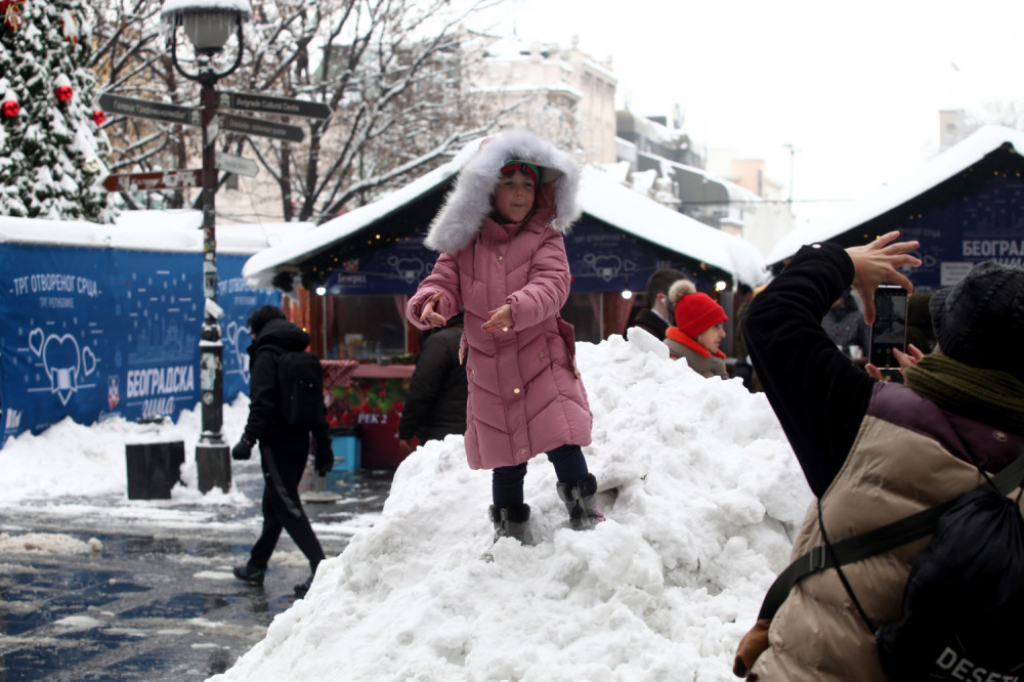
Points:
point(613, 203)
point(734, 191)
point(601, 197)
point(548, 87)
point(166, 230)
point(939, 169)
point(171, 6)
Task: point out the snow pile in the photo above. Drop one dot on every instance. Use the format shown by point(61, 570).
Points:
point(72, 460)
point(47, 543)
point(702, 495)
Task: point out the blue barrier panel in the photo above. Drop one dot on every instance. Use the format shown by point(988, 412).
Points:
point(97, 333)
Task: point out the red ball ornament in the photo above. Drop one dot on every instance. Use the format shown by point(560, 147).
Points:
point(98, 117)
point(11, 108)
point(64, 93)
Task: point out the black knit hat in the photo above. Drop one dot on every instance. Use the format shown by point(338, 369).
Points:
point(980, 321)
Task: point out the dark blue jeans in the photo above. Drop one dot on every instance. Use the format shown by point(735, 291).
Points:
point(507, 482)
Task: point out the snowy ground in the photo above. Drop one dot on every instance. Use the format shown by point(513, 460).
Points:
point(702, 495)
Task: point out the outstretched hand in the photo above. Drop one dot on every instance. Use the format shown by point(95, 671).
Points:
point(500, 320)
point(911, 357)
point(876, 263)
point(432, 318)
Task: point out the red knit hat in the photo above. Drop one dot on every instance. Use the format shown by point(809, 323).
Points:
point(695, 312)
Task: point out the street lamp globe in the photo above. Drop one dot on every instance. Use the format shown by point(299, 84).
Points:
point(207, 23)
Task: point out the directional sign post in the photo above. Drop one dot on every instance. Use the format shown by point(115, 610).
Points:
point(237, 165)
point(274, 105)
point(254, 126)
point(128, 106)
point(147, 182)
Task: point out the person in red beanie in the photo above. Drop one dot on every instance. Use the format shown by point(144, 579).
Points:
point(699, 330)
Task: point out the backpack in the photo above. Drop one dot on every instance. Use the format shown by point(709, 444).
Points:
point(964, 597)
point(300, 389)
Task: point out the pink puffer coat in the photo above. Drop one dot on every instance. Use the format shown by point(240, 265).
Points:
point(525, 395)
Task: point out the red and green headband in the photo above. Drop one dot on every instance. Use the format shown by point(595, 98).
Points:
point(513, 165)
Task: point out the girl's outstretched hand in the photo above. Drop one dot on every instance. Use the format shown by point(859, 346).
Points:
point(876, 263)
point(429, 316)
point(501, 319)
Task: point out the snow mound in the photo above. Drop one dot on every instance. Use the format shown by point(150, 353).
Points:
point(702, 495)
point(73, 460)
point(47, 543)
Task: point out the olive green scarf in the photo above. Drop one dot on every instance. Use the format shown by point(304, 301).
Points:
point(985, 395)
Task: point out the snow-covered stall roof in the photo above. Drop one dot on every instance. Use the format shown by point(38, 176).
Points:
point(166, 230)
point(939, 169)
point(600, 196)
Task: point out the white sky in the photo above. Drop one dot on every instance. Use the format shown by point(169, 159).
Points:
point(855, 87)
point(707, 494)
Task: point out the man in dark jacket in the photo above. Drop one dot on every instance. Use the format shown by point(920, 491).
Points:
point(874, 452)
point(656, 318)
point(436, 403)
point(284, 449)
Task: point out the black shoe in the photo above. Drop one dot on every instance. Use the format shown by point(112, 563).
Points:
point(301, 590)
point(253, 576)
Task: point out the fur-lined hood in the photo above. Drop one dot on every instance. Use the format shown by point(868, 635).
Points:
point(469, 202)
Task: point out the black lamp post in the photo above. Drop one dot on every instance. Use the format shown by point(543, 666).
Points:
point(208, 26)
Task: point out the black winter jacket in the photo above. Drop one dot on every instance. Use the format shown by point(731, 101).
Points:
point(650, 321)
point(436, 403)
point(819, 396)
point(265, 420)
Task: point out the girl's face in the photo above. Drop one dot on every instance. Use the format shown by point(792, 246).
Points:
point(711, 338)
point(514, 196)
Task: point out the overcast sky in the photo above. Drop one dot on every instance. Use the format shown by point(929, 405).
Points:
point(856, 89)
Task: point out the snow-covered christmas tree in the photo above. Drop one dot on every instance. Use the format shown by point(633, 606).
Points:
point(52, 153)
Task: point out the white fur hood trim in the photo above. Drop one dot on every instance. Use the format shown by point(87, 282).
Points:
point(469, 202)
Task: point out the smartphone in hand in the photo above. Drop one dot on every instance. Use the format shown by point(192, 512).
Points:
point(890, 328)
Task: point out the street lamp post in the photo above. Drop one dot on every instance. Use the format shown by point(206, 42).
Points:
point(792, 159)
point(208, 26)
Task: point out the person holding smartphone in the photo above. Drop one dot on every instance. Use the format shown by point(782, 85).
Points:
point(872, 451)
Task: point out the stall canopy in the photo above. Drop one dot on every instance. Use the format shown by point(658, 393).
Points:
point(965, 206)
point(620, 239)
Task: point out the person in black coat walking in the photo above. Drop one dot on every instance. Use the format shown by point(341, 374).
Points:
point(436, 403)
point(284, 449)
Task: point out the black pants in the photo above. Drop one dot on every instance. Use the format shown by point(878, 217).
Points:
point(507, 482)
point(282, 471)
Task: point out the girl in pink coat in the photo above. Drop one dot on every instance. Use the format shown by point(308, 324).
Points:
point(503, 260)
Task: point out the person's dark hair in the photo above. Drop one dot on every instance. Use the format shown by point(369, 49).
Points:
point(259, 318)
point(660, 281)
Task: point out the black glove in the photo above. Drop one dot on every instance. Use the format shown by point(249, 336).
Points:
point(323, 461)
point(242, 451)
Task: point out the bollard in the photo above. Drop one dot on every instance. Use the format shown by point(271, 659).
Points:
point(213, 464)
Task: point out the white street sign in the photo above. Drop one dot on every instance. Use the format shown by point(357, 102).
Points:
point(237, 165)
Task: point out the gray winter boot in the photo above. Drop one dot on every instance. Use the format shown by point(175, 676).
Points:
point(580, 498)
point(511, 522)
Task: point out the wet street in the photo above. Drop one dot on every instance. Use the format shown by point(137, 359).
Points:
point(157, 601)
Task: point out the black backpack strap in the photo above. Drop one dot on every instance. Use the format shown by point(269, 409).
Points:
point(877, 541)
